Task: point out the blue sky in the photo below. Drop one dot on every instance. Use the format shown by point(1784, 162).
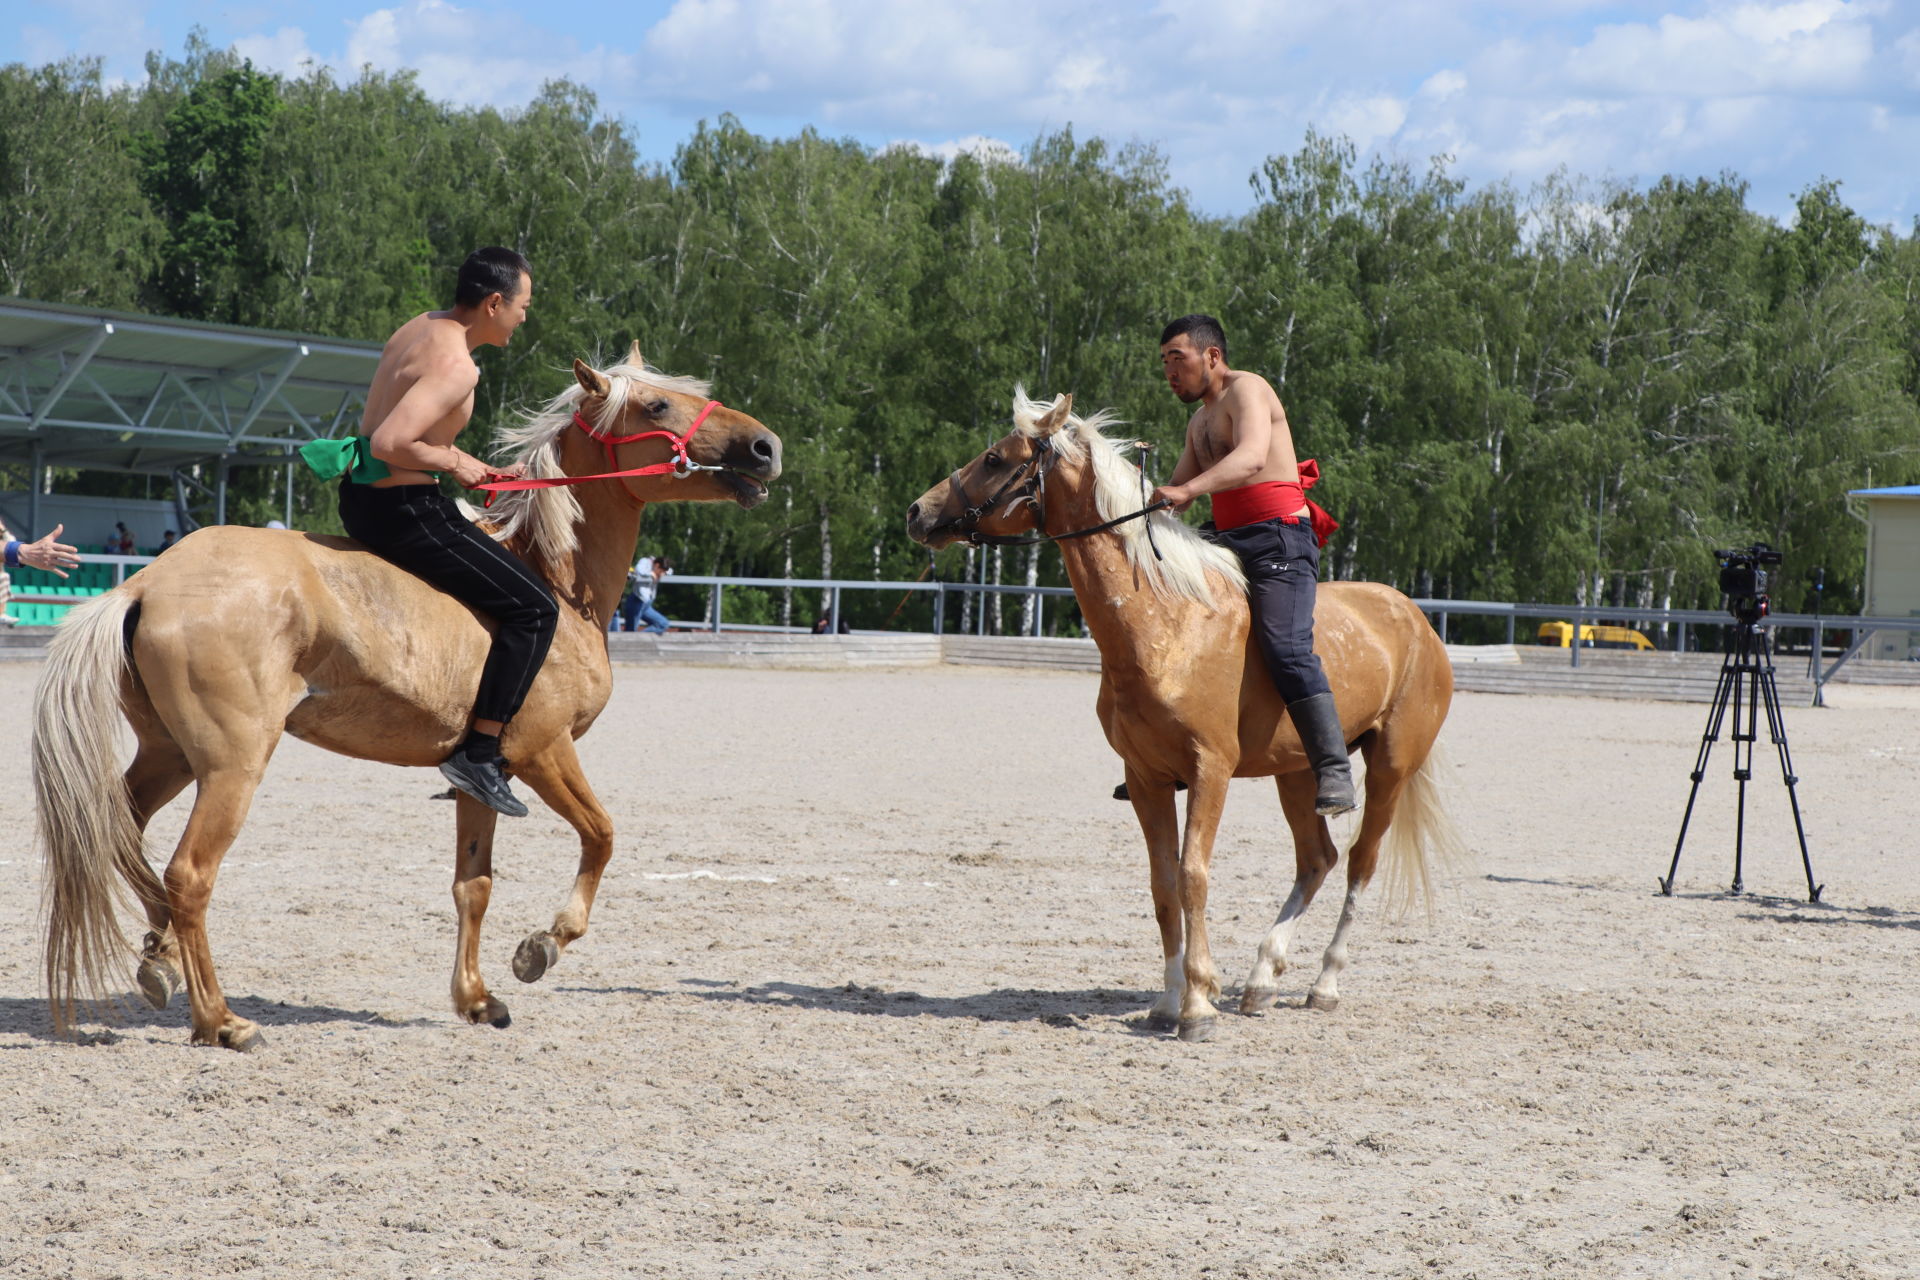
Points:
point(1782, 93)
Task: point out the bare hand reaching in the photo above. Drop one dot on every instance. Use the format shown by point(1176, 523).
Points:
point(49, 553)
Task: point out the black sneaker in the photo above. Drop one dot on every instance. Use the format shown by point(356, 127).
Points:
point(1121, 793)
point(482, 780)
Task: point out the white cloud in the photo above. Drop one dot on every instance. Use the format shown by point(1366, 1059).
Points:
point(285, 51)
point(988, 150)
point(115, 31)
point(1811, 46)
point(1781, 91)
point(1368, 121)
point(459, 55)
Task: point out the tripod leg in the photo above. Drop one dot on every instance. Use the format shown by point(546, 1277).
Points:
point(1777, 727)
point(1743, 740)
point(1715, 715)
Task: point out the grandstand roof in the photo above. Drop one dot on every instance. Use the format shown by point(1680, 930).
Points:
point(112, 391)
point(1898, 491)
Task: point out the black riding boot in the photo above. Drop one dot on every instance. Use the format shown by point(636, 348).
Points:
point(1326, 743)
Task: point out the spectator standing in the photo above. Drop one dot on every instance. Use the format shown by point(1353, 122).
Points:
point(643, 584)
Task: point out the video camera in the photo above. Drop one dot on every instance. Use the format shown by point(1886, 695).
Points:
point(1745, 579)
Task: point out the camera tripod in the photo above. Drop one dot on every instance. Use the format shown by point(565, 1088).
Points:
point(1746, 685)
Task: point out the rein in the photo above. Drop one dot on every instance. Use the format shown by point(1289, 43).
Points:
point(681, 466)
point(1035, 469)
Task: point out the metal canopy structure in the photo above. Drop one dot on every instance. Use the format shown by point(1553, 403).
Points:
point(111, 391)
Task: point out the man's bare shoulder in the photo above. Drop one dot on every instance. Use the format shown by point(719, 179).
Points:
point(424, 348)
point(1245, 388)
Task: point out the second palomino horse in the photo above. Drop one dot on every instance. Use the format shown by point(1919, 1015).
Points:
point(1185, 698)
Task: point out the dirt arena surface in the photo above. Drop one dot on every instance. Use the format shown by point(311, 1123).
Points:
point(863, 996)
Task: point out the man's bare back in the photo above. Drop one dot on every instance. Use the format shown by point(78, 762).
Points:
point(1239, 435)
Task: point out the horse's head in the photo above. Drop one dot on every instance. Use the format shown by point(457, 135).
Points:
point(645, 422)
point(997, 494)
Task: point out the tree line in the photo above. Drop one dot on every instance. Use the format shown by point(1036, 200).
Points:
point(1576, 390)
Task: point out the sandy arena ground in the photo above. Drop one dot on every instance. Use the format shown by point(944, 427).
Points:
point(863, 997)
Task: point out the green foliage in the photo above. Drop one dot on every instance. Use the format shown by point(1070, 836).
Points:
point(1580, 389)
point(199, 171)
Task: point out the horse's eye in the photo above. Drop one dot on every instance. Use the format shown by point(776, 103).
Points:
point(992, 459)
point(657, 409)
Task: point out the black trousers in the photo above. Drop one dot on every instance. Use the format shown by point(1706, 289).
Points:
point(420, 529)
point(1282, 562)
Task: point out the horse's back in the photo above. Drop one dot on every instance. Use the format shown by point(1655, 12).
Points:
point(1382, 656)
point(281, 592)
point(306, 627)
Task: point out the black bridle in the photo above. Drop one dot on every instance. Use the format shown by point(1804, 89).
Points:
point(1033, 472)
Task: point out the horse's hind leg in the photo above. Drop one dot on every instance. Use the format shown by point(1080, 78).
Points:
point(219, 708)
point(1314, 855)
point(219, 807)
point(159, 772)
point(1386, 777)
point(556, 777)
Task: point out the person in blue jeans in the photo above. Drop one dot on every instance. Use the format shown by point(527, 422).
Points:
point(643, 584)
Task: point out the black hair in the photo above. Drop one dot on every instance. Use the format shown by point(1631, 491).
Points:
point(1202, 332)
point(487, 272)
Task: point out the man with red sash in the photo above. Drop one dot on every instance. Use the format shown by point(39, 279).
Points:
point(1240, 450)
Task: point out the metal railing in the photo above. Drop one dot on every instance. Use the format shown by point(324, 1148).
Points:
point(1439, 611)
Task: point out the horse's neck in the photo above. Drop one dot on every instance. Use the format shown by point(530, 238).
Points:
point(609, 529)
point(1131, 624)
point(591, 581)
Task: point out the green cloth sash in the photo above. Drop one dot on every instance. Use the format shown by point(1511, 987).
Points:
point(351, 456)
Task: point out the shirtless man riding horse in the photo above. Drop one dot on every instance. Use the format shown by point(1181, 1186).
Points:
point(390, 499)
point(1239, 450)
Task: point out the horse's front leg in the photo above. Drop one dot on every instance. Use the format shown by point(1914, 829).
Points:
point(472, 888)
point(1204, 804)
point(556, 778)
point(1159, 822)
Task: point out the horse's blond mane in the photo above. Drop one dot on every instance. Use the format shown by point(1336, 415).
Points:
point(1186, 559)
point(547, 518)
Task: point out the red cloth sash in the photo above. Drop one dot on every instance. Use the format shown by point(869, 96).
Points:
point(1275, 499)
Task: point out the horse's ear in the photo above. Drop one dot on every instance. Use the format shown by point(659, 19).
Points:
point(591, 380)
point(1056, 417)
point(634, 357)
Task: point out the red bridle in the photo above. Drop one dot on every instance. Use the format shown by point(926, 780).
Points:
point(682, 465)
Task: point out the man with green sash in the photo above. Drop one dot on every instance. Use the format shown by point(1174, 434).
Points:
point(390, 499)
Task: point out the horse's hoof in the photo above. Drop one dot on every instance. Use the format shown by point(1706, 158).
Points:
point(1161, 1020)
point(1325, 1004)
point(491, 1012)
point(1198, 1030)
point(1258, 999)
point(535, 956)
point(159, 982)
point(239, 1035)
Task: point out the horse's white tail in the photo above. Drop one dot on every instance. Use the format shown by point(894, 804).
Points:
point(1421, 841)
point(84, 815)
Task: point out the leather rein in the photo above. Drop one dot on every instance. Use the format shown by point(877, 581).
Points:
point(1033, 492)
point(682, 465)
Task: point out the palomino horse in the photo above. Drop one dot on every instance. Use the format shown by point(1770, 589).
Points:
point(236, 635)
point(1185, 698)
